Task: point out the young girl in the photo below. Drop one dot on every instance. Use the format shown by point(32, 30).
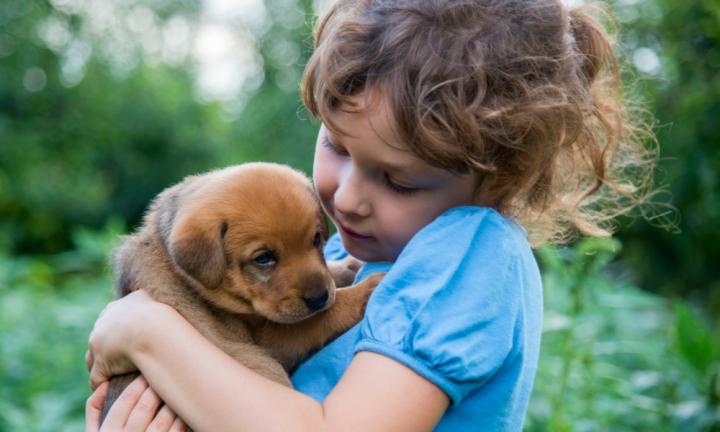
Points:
point(455, 134)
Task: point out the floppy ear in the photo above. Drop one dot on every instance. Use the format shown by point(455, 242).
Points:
point(196, 247)
point(324, 228)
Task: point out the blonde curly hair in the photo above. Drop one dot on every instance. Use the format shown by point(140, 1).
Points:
point(524, 93)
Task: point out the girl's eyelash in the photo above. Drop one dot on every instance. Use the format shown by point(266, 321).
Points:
point(332, 147)
point(402, 190)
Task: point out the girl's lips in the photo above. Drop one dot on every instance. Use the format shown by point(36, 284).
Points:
point(352, 233)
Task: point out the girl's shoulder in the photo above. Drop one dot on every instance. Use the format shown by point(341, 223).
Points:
point(467, 230)
point(466, 253)
point(463, 243)
point(455, 304)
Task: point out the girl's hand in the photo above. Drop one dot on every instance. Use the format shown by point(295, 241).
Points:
point(118, 333)
point(137, 409)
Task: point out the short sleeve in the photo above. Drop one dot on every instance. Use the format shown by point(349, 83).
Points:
point(448, 307)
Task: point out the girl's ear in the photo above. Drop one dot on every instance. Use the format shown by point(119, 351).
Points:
point(196, 247)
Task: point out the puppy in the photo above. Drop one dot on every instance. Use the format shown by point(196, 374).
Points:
point(238, 252)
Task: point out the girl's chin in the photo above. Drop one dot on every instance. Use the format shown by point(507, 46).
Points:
point(366, 250)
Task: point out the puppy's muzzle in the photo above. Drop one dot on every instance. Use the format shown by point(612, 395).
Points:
point(316, 301)
point(316, 292)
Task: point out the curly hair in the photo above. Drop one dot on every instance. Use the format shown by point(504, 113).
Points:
point(524, 93)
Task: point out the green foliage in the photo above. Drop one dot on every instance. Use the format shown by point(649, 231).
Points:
point(617, 358)
point(81, 153)
point(693, 340)
point(47, 307)
point(683, 94)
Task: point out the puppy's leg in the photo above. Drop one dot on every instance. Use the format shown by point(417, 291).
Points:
point(290, 343)
point(343, 271)
point(116, 386)
point(127, 265)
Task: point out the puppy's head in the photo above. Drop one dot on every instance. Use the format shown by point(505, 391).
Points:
point(249, 238)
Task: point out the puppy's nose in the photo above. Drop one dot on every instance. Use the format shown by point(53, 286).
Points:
point(316, 301)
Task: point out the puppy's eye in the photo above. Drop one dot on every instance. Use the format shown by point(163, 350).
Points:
point(265, 258)
point(317, 241)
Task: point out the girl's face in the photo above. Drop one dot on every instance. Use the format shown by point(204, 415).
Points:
point(375, 190)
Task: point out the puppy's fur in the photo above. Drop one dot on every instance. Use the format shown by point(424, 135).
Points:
point(238, 252)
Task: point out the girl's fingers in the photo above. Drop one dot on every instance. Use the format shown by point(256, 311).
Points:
point(96, 377)
point(93, 407)
point(123, 406)
point(143, 412)
point(163, 421)
point(88, 360)
point(178, 426)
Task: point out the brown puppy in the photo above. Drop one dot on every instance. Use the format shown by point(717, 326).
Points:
point(238, 252)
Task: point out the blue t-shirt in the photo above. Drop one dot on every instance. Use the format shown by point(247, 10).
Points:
point(462, 307)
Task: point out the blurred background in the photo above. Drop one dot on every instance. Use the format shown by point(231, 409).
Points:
point(103, 103)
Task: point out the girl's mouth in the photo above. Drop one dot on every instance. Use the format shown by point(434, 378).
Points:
point(352, 233)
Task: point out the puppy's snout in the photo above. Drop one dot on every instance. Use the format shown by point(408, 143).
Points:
point(316, 292)
point(316, 301)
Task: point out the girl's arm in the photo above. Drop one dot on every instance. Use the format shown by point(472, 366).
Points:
point(211, 391)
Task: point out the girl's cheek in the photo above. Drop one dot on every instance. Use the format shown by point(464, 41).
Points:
point(399, 222)
point(325, 178)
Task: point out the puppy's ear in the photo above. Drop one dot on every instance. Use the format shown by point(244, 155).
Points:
point(324, 228)
point(196, 246)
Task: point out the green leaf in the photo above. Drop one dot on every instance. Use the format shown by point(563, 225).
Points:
point(597, 245)
point(693, 339)
point(550, 257)
point(595, 252)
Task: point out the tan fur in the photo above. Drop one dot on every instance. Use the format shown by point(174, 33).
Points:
point(195, 252)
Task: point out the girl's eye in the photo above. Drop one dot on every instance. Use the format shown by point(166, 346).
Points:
point(402, 190)
point(333, 148)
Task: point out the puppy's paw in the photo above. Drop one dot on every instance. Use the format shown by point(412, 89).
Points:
point(343, 271)
point(352, 264)
point(374, 279)
point(367, 286)
point(350, 303)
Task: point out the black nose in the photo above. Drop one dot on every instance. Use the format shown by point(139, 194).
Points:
point(316, 302)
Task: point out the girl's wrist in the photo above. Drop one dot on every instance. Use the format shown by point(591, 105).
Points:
point(157, 321)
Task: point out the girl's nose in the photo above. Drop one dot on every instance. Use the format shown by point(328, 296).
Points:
point(350, 194)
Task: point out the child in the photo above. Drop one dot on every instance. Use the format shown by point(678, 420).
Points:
point(455, 134)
